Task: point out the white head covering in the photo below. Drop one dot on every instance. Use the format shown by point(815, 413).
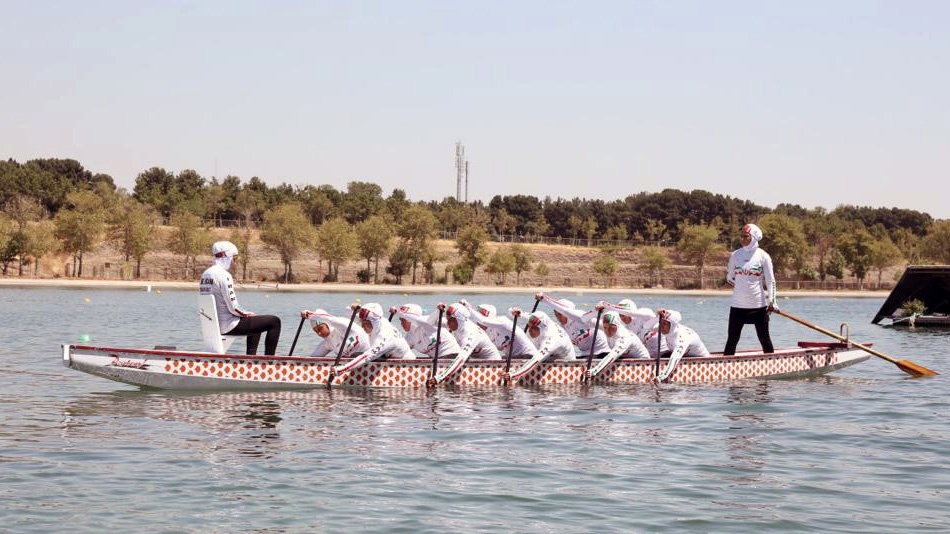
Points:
point(486, 310)
point(541, 320)
point(458, 310)
point(373, 313)
point(319, 317)
point(223, 252)
point(627, 305)
point(756, 234)
point(414, 309)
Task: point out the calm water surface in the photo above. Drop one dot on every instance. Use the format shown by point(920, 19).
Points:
point(862, 450)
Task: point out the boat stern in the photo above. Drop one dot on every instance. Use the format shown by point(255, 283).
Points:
point(67, 355)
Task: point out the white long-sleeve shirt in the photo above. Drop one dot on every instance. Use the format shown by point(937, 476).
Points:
point(217, 281)
point(750, 273)
point(552, 343)
point(580, 327)
point(423, 334)
point(499, 328)
point(624, 343)
point(684, 342)
point(384, 340)
point(356, 342)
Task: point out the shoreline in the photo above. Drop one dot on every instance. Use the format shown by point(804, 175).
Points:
point(407, 289)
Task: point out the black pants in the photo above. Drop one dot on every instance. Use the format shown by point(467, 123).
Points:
point(743, 316)
point(253, 326)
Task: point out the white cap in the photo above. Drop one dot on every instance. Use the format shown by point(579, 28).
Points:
point(224, 249)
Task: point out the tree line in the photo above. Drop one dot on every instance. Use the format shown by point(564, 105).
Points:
point(57, 205)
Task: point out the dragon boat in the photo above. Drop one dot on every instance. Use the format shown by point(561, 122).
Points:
point(164, 368)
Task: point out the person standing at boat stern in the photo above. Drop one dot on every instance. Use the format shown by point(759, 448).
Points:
point(753, 290)
point(233, 320)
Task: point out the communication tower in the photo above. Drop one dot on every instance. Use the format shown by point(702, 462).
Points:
point(461, 171)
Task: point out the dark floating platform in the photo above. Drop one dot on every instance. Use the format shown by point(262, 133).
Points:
point(929, 284)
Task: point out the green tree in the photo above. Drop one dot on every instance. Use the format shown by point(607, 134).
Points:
point(542, 269)
point(374, 237)
point(132, 231)
point(856, 247)
point(617, 232)
point(337, 243)
point(606, 265)
point(287, 231)
point(80, 226)
point(40, 241)
point(785, 242)
point(654, 260)
point(699, 243)
point(429, 256)
point(523, 259)
point(22, 210)
point(189, 238)
point(470, 244)
point(501, 262)
point(9, 250)
point(884, 254)
point(417, 229)
point(362, 200)
point(400, 261)
point(836, 264)
point(936, 244)
point(241, 237)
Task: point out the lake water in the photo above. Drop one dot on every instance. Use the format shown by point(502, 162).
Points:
point(862, 450)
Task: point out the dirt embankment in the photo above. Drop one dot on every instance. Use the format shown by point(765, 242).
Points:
point(568, 266)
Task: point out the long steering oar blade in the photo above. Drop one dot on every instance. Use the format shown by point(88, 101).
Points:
point(907, 366)
point(438, 344)
point(297, 335)
point(511, 344)
point(593, 343)
point(339, 353)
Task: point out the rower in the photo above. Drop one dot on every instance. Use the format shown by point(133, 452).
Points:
point(550, 339)
point(330, 329)
point(683, 340)
point(384, 339)
point(234, 321)
point(623, 343)
point(642, 323)
point(578, 325)
point(499, 329)
point(422, 331)
point(472, 340)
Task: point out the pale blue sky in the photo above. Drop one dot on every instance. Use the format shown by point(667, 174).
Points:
point(814, 103)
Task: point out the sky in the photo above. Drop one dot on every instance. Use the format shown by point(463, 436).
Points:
point(815, 103)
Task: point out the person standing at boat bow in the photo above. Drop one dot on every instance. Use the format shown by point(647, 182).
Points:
point(753, 290)
point(234, 321)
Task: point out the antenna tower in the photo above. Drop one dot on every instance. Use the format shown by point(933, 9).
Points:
point(460, 164)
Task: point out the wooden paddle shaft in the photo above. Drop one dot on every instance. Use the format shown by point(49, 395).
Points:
point(297, 335)
point(837, 336)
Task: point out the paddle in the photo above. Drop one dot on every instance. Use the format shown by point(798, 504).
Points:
point(339, 353)
point(511, 345)
point(297, 335)
point(907, 366)
point(593, 343)
point(438, 343)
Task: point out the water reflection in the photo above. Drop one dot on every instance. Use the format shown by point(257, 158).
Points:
point(745, 434)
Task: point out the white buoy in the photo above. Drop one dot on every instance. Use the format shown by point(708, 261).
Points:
point(148, 288)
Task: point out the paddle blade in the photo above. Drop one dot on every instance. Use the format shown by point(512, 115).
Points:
point(912, 368)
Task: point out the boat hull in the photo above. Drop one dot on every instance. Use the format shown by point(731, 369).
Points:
point(180, 370)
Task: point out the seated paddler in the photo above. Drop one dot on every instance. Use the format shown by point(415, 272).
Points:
point(234, 320)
